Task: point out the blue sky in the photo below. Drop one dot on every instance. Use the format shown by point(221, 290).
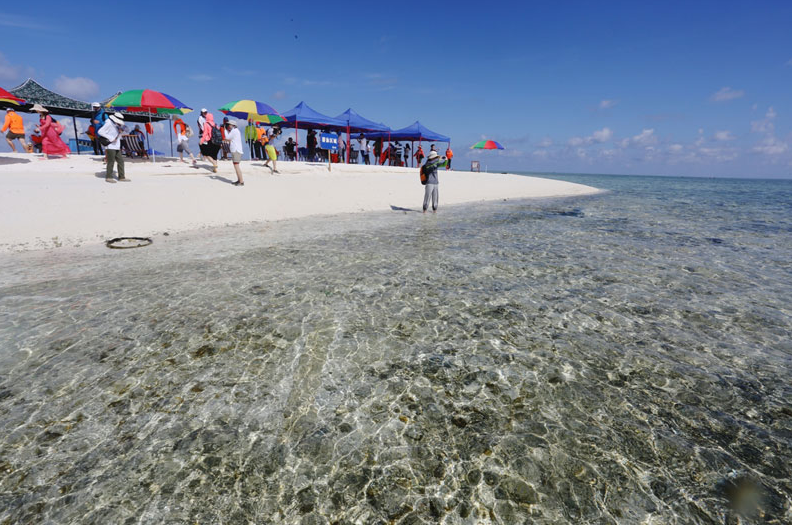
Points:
point(670, 88)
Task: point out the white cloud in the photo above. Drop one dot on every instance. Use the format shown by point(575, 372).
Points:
point(675, 148)
point(766, 124)
point(201, 77)
point(607, 104)
point(541, 153)
point(545, 143)
point(77, 87)
point(726, 93)
point(724, 135)
point(770, 145)
point(602, 135)
point(279, 95)
point(599, 136)
point(645, 138)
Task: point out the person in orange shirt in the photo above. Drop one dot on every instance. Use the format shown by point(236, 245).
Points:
point(449, 155)
point(261, 142)
point(179, 127)
point(16, 131)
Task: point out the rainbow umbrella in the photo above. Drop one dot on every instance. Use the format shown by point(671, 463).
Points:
point(148, 101)
point(252, 110)
point(486, 144)
point(5, 96)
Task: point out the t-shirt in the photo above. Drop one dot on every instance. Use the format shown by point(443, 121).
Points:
point(111, 132)
point(14, 121)
point(235, 140)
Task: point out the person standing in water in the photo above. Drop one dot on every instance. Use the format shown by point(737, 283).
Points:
point(431, 192)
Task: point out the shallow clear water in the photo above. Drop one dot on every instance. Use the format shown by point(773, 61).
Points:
point(621, 358)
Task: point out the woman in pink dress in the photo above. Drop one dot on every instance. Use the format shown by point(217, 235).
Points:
point(51, 143)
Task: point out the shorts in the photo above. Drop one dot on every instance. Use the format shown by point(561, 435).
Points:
point(271, 153)
point(236, 157)
point(13, 136)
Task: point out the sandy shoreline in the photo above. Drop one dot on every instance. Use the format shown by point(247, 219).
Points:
point(65, 202)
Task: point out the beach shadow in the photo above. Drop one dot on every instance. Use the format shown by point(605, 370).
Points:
point(221, 179)
point(11, 160)
point(399, 208)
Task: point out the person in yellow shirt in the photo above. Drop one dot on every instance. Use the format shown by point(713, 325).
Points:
point(16, 131)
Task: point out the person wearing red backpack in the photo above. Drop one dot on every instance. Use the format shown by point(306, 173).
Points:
point(51, 143)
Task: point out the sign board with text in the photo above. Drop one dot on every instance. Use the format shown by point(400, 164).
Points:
point(328, 141)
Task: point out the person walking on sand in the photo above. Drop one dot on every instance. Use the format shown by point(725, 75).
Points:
point(51, 143)
point(16, 130)
point(179, 126)
point(234, 139)
point(183, 139)
point(201, 122)
point(98, 119)
point(433, 161)
point(449, 155)
point(211, 140)
point(112, 131)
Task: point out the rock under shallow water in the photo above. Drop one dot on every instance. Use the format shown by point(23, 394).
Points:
point(498, 366)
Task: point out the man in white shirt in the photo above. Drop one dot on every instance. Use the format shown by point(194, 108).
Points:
point(364, 150)
point(234, 139)
point(111, 131)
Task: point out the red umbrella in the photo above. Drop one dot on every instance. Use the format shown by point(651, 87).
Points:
point(5, 96)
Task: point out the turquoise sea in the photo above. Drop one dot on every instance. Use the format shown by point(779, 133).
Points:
point(619, 358)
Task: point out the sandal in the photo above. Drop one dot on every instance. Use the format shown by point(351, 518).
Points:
point(237, 183)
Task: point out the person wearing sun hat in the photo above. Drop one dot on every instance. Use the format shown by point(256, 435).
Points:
point(51, 143)
point(433, 162)
point(235, 147)
point(112, 131)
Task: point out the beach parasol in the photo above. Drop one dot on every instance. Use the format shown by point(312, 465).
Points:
point(486, 144)
point(7, 97)
point(252, 110)
point(148, 101)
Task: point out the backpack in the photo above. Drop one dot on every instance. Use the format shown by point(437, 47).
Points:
point(423, 176)
point(217, 136)
point(188, 131)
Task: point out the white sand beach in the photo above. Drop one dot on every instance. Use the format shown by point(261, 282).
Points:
point(66, 202)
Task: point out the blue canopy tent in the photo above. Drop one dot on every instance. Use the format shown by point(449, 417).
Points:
point(358, 124)
point(302, 112)
point(413, 132)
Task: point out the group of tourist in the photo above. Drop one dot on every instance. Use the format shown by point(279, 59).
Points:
point(45, 137)
point(107, 129)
